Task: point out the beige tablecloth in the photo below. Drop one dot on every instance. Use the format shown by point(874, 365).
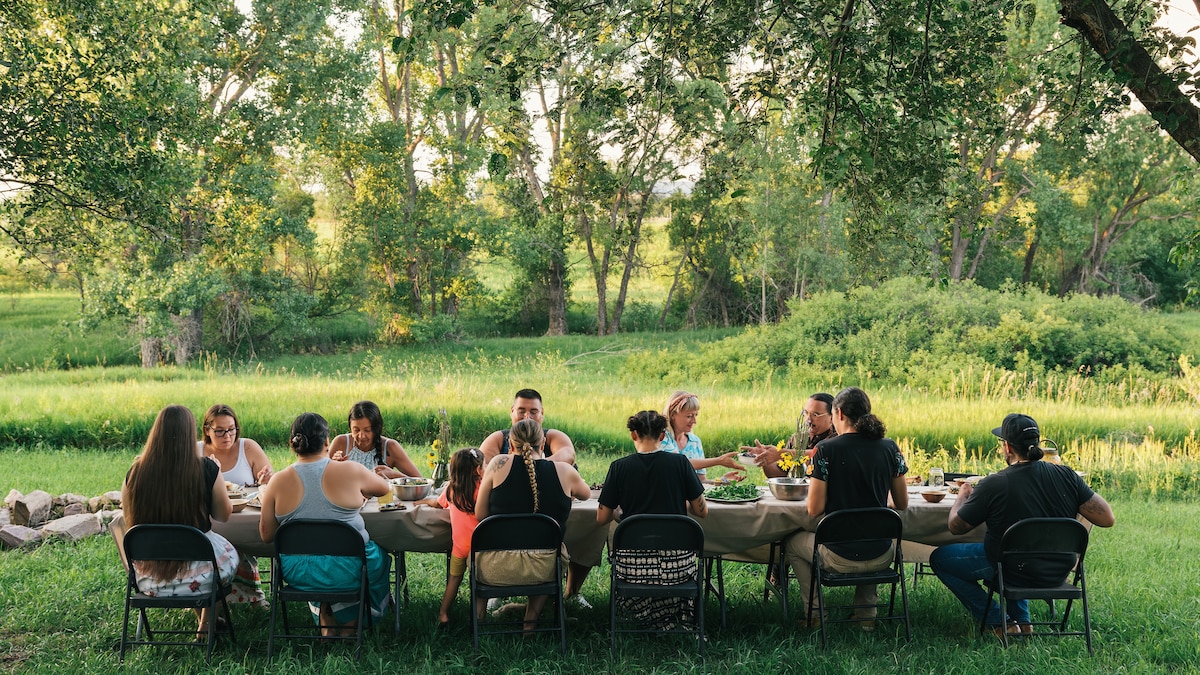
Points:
point(729, 528)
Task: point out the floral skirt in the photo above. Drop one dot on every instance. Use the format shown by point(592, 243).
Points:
point(247, 583)
point(198, 577)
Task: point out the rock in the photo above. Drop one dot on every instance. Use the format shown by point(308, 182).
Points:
point(17, 536)
point(94, 504)
point(113, 496)
point(4, 517)
point(74, 509)
point(107, 516)
point(70, 498)
point(12, 498)
point(72, 528)
point(32, 509)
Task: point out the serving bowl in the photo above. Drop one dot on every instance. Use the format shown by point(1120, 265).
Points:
point(933, 496)
point(789, 489)
point(239, 504)
point(747, 459)
point(411, 489)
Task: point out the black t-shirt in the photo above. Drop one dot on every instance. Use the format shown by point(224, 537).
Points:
point(1026, 490)
point(514, 495)
point(858, 473)
point(652, 482)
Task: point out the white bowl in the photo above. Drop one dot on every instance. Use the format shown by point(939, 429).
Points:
point(747, 459)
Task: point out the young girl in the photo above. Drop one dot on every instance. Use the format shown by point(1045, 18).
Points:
point(366, 445)
point(466, 468)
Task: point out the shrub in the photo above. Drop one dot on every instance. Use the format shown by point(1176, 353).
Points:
point(910, 332)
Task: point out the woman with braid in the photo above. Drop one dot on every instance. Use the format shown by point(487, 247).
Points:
point(523, 481)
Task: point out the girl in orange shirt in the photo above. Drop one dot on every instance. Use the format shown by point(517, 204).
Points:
point(466, 468)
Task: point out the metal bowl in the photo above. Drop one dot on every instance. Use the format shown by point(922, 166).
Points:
point(411, 489)
point(789, 489)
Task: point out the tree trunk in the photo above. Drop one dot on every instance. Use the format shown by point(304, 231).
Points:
point(1174, 110)
point(635, 235)
point(556, 297)
point(188, 336)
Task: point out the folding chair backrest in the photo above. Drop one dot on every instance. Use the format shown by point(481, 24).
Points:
point(859, 525)
point(167, 542)
point(516, 532)
point(1042, 551)
point(653, 532)
point(319, 537)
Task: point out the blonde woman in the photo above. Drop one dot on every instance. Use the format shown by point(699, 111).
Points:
point(681, 412)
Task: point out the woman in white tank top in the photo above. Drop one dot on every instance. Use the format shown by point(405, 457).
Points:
point(242, 460)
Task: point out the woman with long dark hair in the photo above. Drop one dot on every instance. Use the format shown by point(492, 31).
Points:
point(169, 483)
point(857, 469)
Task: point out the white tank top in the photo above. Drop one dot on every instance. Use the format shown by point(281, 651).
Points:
point(240, 473)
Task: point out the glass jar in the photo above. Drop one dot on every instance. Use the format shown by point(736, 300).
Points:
point(937, 477)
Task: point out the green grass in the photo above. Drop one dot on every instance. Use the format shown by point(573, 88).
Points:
point(40, 331)
point(61, 613)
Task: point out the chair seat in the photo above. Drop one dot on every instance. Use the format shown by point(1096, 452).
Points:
point(1063, 591)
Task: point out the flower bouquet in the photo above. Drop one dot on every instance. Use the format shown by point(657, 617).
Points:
point(439, 450)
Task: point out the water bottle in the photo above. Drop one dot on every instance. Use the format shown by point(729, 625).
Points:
point(937, 478)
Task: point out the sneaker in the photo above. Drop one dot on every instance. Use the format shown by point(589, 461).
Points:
point(577, 601)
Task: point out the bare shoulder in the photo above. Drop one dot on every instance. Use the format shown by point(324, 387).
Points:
point(393, 446)
point(556, 437)
point(338, 443)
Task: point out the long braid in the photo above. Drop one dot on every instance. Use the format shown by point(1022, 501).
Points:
point(527, 453)
point(527, 438)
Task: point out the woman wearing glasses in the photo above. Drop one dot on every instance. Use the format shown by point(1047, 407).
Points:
point(243, 462)
point(818, 417)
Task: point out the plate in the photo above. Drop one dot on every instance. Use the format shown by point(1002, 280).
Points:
point(732, 501)
point(254, 502)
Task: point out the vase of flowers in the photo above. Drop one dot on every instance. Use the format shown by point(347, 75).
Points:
point(439, 451)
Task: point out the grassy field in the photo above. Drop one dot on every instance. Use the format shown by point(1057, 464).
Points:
point(78, 429)
point(61, 614)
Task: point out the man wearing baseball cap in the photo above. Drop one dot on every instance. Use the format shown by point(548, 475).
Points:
point(1027, 488)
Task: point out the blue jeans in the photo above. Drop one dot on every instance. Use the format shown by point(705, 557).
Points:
point(961, 567)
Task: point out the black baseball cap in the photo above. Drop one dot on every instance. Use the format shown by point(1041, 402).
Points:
point(1019, 431)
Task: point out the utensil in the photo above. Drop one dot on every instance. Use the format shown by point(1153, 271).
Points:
point(789, 489)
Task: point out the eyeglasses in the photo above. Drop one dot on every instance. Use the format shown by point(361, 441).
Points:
point(813, 415)
point(222, 433)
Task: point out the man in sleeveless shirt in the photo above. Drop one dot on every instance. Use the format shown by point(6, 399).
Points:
point(528, 404)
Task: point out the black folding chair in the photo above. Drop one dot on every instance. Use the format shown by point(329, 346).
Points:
point(517, 532)
point(318, 538)
point(648, 532)
point(860, 526)
point(1037, 557)
point(149, 543)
